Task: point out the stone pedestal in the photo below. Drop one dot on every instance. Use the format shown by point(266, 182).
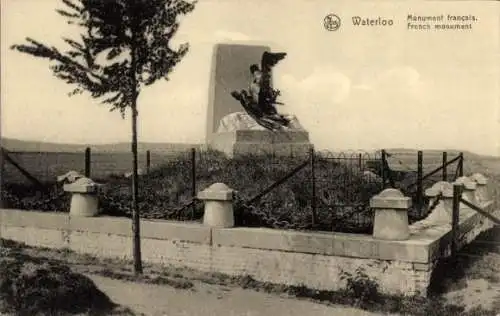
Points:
point(469, 190)
point(257, 142)
point(218, 200)
point(482, 194)
point(391, 215)
point(84, 199)
point(69, 177)
point(442, 213)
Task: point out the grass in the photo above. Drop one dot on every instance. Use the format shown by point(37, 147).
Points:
point(361, 292)
point(33, 286)
point(477, 260)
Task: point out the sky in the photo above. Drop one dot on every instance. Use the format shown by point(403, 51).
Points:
point(355, 88)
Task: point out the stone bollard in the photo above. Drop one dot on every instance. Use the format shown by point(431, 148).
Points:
point(218, 199)
point(469, 190)
point(391, 215)
point(443, 210)
point(84, 200)
point(69, 177)
point(482, 194)
point(435, 190)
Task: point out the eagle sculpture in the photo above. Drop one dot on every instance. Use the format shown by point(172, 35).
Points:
point(263, 110)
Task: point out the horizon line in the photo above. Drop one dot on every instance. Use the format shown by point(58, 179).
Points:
point(204, 144)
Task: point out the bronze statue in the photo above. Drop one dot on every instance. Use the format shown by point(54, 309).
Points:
point(261, 99)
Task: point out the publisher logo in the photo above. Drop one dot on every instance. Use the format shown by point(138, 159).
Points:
point(331, 22)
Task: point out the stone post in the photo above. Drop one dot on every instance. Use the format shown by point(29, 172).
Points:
point(482, 194)
point(218, 199)
point(443, 210)
point(84, 200)
point(391, 215)
point(69, 177)
point(469, 188)
point(435, 190)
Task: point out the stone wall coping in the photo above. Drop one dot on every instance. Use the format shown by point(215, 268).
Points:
point(83, 185)
point(432, 192)
point(479, 178)
point(447, 193)
point(426, 242)
point(262, 136)
point(390, 199)
point(154, 229)
point(79, 188)
point(216, 192)
point(467, 185)
point(397, 203)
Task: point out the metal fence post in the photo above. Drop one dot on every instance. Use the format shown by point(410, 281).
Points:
point(461, 165)
point(457, 194)
point(193, 180)
point(313, 187)
point(384, 163)
point(87, 162)
point(420, 174)
point(2, 174)
point(445, 167)
point(148, 161)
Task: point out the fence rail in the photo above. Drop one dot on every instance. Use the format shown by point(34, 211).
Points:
point(417, 180)
point(455, 217)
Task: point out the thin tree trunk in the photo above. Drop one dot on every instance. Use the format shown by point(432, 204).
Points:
point(135, 195)
point(135, 186)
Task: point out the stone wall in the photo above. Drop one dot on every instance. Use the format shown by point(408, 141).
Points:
point(312, 259)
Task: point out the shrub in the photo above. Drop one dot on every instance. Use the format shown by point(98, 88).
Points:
point(29, 288)
point(360, 287)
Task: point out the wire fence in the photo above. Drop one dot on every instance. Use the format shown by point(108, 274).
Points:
point(327, 191)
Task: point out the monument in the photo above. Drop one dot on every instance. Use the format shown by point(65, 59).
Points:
point(242, 117)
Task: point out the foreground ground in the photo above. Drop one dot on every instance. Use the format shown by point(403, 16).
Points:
point(475, 278)
point(211, 299)
point(474, 282)
point(163, 291)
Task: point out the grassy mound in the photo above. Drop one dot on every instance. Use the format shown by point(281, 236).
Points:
point(34, 287)
point(341, 198)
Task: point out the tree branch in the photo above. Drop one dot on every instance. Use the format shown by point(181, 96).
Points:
point(39, 50)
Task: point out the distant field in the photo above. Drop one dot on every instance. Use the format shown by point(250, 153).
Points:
point(46, 166)
point(45, 161)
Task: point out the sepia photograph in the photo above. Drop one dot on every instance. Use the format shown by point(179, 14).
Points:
point(238, 157)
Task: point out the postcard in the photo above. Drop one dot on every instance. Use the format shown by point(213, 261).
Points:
point(343, 151)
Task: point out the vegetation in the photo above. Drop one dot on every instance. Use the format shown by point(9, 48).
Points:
point(33, 286)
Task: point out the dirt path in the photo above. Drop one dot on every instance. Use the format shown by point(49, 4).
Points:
point(209, 300)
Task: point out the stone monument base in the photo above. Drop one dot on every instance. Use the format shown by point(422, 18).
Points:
point(255, 142)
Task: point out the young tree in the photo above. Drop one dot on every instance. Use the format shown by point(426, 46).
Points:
point(123, 46)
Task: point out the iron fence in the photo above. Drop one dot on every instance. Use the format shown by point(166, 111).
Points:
point(328, 191)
